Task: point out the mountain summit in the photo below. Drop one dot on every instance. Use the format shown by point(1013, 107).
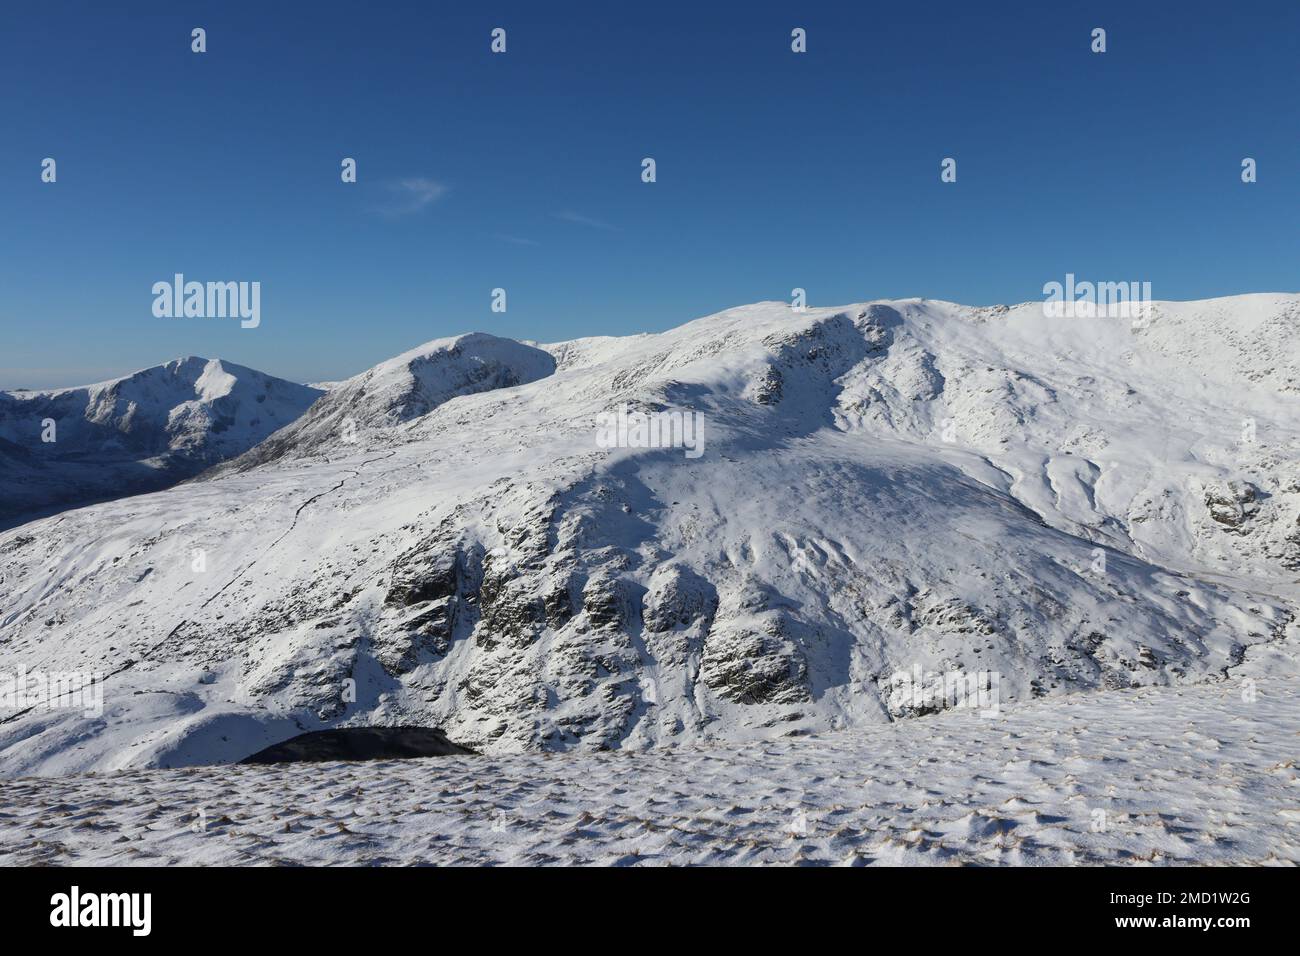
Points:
point(405, 388)
point(64, 447)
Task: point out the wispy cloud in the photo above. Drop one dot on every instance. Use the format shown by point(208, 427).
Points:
point(569, 215)
point(410, 195)
point(517, 240)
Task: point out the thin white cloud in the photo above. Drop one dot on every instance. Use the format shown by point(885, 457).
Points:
point(410, 195)
point(517, 240)
point(569, 215)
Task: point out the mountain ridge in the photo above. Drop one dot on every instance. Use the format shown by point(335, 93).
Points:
point(1074, 505)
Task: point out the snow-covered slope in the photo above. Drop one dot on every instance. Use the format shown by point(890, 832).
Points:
point(1172, 776)
point(141, 432)
point(1070, 503)
point(403, 388)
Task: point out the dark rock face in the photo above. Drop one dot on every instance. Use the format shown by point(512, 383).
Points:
point(753, 666)
point(768, 390)
point(1232, 504)
point(361, 743)
point(679, 597)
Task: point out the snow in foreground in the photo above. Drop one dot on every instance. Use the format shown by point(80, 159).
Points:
point(1192, 774)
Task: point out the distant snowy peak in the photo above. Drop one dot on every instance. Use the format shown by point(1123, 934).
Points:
point(191, 406)
point(404, 388)
point(140, 432)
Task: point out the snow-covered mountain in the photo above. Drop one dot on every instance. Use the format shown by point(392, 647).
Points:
point(145, 431)
point(442, 541)
point(404, 388)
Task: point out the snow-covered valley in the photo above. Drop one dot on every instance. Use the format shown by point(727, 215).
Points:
point(1076, 505)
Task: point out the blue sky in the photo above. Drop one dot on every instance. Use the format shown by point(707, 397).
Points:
point(775, 170)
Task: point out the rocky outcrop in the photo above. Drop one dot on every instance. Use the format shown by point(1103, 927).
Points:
point(360, 743)
point(1231, 503)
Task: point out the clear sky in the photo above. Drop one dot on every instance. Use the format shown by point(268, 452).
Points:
point(523, 170)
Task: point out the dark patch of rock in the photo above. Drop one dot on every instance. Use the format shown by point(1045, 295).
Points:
point(361, 743)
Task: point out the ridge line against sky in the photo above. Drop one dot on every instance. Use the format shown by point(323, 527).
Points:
point(522, 170)
point(547, 344)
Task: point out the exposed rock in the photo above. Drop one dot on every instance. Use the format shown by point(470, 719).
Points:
point(755, 664)
point(1231, 503)
point(678, 597)
point(361, 743)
